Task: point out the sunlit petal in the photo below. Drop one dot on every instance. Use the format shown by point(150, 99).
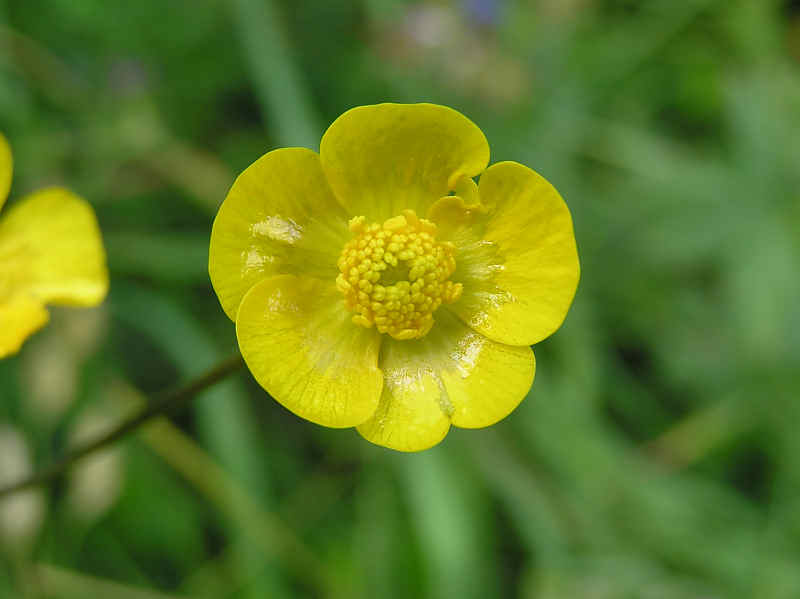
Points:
point(384, 158)
point(279, 217)
point(298, 341)
point(516, 257)
point(453, 375)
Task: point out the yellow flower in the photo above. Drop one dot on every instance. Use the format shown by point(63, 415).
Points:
point(376, 285)
point(50, 253)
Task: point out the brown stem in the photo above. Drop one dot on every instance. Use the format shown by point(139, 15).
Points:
point(163, 405)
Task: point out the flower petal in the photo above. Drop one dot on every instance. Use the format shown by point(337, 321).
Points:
point(411, 415)
point(485, 380)
point(20, 316)
point(297, 338)
point(51, 248)
point(518, 262)
point(6, 169)
point(451, 375)
point(384, 158)
point(279, 217)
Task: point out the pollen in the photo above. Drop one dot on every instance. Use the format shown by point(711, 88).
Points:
point(395, 275)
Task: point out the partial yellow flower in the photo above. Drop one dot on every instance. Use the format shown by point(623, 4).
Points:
point(51, 252)
point(377, 285)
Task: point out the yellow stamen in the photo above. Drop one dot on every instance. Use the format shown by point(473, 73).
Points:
point(395, 275)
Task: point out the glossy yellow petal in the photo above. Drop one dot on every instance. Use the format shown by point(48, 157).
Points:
point(297, 338)
point(384, 158)
point(411, 415)
point(50, 248)
point(279, 217)
point(518, 262)
point(6, 169)
point(452, 375)
point(485, 380)
point(20, 316)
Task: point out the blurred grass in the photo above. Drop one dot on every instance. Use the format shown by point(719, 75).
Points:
point(656, 455)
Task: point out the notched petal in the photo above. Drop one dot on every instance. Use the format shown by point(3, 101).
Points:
point(452, 376)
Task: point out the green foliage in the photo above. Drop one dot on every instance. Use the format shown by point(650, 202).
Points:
point(657, 454)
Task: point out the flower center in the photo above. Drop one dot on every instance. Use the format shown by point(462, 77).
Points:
point(396, 275)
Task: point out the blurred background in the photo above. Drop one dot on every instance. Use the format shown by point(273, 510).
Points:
point(658, 453)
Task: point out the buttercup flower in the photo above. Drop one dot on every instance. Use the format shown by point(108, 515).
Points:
point(376, 285)
point(50, 253)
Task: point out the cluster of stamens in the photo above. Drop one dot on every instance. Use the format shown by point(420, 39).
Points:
point(395, 275)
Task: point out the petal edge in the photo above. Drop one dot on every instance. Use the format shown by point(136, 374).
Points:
point(20, 317)
point(6, 169)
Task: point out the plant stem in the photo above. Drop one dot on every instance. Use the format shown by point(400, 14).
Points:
point(163, 405)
